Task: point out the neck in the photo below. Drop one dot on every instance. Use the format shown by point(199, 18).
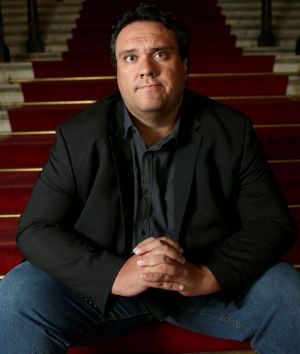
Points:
point(153, 133)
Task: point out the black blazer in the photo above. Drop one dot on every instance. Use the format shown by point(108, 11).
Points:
point(229, 213)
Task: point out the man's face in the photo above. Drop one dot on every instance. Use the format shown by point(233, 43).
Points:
point(150, 73)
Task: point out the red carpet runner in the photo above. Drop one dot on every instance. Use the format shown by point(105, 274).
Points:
point(258, 93)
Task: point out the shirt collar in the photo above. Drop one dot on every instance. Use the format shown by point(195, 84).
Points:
point(128, 125)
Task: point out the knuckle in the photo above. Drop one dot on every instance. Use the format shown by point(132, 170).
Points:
point(165, 259)
point(164, 268)
point(165, 285)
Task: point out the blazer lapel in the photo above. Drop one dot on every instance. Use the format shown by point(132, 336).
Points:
point(185, 162)
point(123, 164)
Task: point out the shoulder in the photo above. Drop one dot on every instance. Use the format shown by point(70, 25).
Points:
point(93, 121)
point(209, 111)
point(214, 119)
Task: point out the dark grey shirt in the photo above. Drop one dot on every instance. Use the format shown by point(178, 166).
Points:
point(153, 183)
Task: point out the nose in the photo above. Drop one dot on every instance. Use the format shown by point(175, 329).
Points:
point(147, 67)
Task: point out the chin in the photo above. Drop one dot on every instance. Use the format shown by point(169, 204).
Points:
point(151, 109)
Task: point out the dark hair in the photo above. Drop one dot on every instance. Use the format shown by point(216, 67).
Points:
point(150, 12)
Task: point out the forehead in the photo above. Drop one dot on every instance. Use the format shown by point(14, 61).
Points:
point(152, 32)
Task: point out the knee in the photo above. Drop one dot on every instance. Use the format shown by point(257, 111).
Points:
point(21, 289)
point(280, 285)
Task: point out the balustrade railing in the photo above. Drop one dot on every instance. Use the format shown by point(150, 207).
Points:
point(266, 37)
point(34, 42)
point(4, 51)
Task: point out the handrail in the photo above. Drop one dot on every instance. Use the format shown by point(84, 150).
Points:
point(266, 37)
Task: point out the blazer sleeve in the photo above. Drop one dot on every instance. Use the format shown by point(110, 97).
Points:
point(266, 228)
point(45, 238)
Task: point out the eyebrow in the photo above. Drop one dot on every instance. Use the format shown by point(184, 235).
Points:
point(134, 50)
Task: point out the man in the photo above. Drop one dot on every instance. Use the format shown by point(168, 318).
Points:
point(155, 203)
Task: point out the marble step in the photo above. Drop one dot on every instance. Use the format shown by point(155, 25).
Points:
point(44, 6)
point(15, 3)
point(287, 64)
point(53, 49)
point(268, 51)
point(51, 28)
point(4, 122)
point(256, 13)
point(49, 38)
point(254, 31)
point(43, 18)
point(242, 5)
point(21, 57)
point(256, 22)
point(293, 86)
point(14, 71)
point(11, 93)
point(284, 43)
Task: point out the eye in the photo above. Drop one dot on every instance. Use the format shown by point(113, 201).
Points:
point(129, 58)
point(161, 55)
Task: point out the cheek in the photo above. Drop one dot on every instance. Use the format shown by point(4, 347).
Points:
point(122, 83)
point(125, 78)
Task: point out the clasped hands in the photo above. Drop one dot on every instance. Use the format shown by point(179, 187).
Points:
point(159, 263)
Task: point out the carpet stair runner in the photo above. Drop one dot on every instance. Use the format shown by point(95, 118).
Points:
point(62, 88)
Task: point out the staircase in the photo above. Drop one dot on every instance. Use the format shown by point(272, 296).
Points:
point(74, 71)
point(244, 19)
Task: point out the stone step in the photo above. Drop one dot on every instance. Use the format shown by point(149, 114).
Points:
point(11, 93)
point(287, 64)
point(255, 22)
point(42, 12)
point(255, 31)
point(14, 71)
point(4, 122)
point(43, 18)
point(51, 28)
point(250, 5)
point(28, 57)
point(268, 51)
point(15, 3)
point(288, 43)
point(21, 38)
point(256, 14)
point(51, 48)
point(293, 86)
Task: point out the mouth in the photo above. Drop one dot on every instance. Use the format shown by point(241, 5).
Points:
point(149, 86)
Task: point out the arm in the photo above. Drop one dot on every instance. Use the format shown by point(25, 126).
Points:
point(47, 238)
point(266, 228)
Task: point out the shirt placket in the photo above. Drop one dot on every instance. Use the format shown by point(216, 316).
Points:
point(147, 185)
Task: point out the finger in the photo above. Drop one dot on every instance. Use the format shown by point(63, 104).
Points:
point(153, 260)
point(163, 254)
point(169, 271)
point(165, 282)
point(149, 242)
point(152, 243)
